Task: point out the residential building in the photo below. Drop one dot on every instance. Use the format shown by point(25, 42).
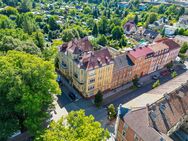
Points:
point(174, 49)
point(122, 71)
point(141, 57)
point(90, 71)
point(152, 115)
point(130, 27)
point(123, 4)
point(87, 70)
point(169, 31)
point(160, 56)
point(146, 34)
point(183, 22)
point(181, 39)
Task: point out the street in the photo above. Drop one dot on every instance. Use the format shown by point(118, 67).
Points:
point(100, 114)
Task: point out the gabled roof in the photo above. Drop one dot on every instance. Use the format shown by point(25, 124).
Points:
point(154, 113)
point(96, 59)
point(169, 42)
point(76, 46)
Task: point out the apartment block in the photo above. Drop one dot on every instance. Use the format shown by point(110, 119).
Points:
point(141, 57)
point(87, 70)
point(154, 115)
point(90, 71)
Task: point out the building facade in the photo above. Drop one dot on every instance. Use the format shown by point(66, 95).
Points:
point(90, 71)
point(141, 57)
point(153, 116)
point(87, 70)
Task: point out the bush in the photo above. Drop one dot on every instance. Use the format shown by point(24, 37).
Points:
point(156, 84)
point(111, 111)
point(98, 99)
point(173, 74)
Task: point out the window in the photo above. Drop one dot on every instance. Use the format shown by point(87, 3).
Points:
point(91, 73)
point(92, 80)
point(90, 87)
point(136, 137)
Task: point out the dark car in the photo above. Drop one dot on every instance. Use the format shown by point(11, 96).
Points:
point(138, 84)
point(155, 77)
point(72, 96)
point(165, 72)
point(171, 69)
point(59, 80)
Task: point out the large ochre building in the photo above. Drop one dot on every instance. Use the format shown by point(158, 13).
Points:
point(90, 71)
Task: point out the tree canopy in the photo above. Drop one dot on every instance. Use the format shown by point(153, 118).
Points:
point(75, 127)
point(26, 87)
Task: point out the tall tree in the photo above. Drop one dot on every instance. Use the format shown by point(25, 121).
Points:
point(78, 127)
point(98, 99)
point(26, 5)
point(117, 32)
point(26, 87)
point(95, 31)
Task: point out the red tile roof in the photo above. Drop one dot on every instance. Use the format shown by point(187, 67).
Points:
point(170, 43)
point(96, 59)
point(140, 52)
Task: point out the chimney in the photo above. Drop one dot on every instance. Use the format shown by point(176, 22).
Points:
point(140, 47)
point(134, 49)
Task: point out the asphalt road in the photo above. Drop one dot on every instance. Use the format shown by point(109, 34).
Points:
point(125, 97)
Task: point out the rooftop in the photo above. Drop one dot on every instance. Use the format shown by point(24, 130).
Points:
point(159, 109)
point(170, 43)
point(158, 47)
point(182, 38)
point(140, 52)
point(122, 61)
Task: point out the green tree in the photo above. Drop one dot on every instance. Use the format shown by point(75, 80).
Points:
point(102, 40)
point(78, 127)
point(39, 39)
point(95, 30)
point(26, 5)
point(174, 74)
point(184, 48)
point(98, 99)
point(53, 24)
point(103, 25)
point(26, 87)
point(111, 111)
point(136, 19)
point(117, 32)
point(156, 84)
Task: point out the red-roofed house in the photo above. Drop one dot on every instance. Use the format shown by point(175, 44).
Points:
point(141, 58)
point(130, 27)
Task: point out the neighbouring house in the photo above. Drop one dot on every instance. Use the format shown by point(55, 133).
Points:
point(123, 4)
point(141, 57)
point(181, 39)
point(146, 35)
point(142, 7)
point(122, 72)
point(157, 25)
point(169, 31)
point(159, 60)
point(89, 71)
point(183, 22)
point(174, 49)
point(130, 27)
point(150, 116)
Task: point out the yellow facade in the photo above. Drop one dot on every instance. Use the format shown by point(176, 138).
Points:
point(87, 82)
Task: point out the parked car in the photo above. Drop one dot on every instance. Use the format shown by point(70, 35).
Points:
point(72, 96)
point(185, 67)
point(171, 69)
point(165, 72)
point(155, 77)
point(59, 80)
point(139, 84)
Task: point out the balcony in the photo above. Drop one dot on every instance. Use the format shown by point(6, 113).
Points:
point(63, 65)
point(77, 79)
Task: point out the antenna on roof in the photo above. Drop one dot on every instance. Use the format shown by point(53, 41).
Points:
point(162, 107)
point(153, 115)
